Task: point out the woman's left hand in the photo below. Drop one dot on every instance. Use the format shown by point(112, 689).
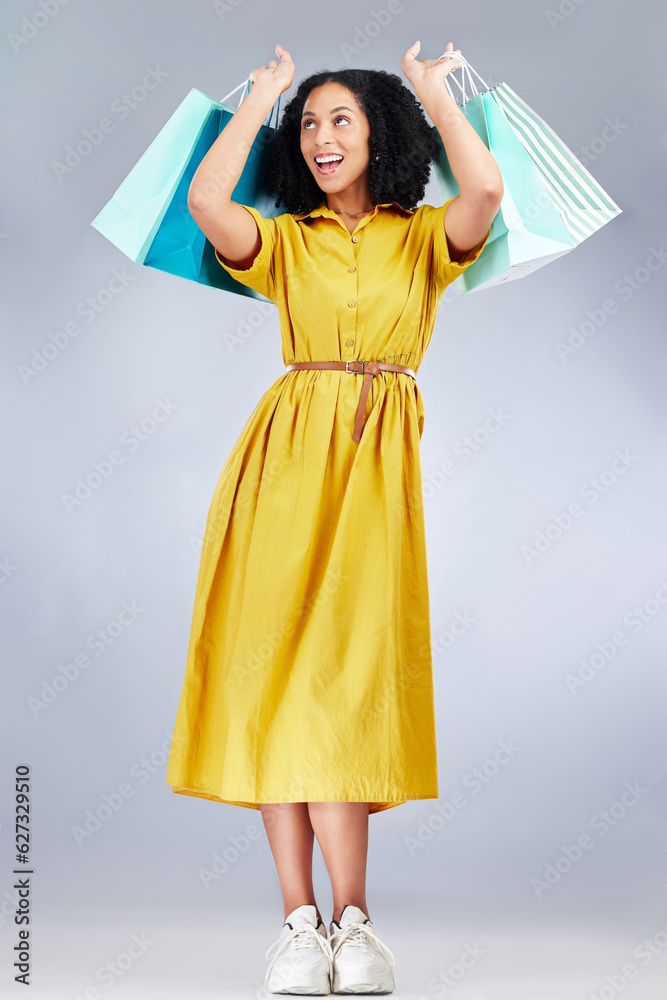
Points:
point(428, 71)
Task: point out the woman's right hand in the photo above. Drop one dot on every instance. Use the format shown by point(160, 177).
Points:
point(275, 76)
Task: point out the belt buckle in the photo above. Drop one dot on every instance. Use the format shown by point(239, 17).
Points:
point(355, 370)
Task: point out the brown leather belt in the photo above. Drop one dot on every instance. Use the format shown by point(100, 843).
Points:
point(369, 369)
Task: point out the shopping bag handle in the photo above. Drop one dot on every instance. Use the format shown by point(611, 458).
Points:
point(465, 68)
point(246, 84)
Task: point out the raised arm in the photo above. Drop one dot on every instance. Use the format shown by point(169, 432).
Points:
point(469, 216)
point(230, 228)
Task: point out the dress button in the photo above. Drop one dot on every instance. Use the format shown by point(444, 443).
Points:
point(355, 239)
point(353, 268)
point(351, 303)
point(350, 343)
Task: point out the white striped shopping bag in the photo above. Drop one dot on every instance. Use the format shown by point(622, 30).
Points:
point(551, 203)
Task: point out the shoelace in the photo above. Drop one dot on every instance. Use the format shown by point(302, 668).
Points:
point(300, 937)
point(354, 935)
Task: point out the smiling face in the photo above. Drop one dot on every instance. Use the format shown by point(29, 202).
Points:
point(333, 122)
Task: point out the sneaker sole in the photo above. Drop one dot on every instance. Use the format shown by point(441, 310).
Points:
point(365, 988)
point(300, 991)
point(303, 989)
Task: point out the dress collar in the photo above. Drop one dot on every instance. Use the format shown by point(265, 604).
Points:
point(323, 209)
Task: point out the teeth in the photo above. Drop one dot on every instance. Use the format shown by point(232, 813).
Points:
point(328, 159)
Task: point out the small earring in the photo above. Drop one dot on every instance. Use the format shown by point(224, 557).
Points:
point(377, 156)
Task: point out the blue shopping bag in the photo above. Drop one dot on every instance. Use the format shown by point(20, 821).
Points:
point(551, 203)
point(148, 216)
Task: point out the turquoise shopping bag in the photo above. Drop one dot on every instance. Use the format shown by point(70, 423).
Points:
point(551, 203)
point(148, 216)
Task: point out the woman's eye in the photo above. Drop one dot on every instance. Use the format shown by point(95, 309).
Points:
point(311, 122)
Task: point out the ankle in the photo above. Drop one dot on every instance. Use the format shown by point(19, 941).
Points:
point(307, 902)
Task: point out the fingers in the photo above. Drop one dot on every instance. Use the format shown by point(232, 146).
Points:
point(413, 51)
point(415, 47)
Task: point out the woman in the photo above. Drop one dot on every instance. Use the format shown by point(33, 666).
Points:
point(308, 692)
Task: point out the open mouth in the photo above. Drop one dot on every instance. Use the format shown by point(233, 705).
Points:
point(329, 166)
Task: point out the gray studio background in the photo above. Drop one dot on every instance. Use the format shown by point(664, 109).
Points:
point(508, 630)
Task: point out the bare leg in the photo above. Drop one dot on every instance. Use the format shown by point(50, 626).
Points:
point(341, 829)
point(290, 836)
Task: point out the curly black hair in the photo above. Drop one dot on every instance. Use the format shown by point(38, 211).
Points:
point(399, 134)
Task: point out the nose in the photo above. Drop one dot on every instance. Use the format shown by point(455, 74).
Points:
point(326, 132)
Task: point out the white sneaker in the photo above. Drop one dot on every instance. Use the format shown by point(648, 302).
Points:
point(302, 962)
point(361, 962)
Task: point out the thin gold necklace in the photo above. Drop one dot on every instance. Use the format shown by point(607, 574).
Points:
point(354, 215)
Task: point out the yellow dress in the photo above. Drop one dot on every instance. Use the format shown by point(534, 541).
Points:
point(309, 671)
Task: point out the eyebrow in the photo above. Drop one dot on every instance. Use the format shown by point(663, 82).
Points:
point(341, 107)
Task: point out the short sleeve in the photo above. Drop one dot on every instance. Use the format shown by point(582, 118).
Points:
point(444, 269)
point(261, 274)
